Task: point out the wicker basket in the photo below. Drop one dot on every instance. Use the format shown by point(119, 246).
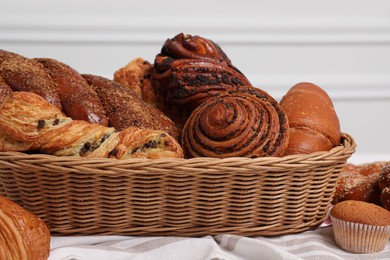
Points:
point(193, 197)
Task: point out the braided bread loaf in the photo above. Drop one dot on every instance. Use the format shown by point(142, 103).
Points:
point(30, 123)
point(78, 97)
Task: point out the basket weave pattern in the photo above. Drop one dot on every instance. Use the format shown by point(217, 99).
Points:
point(185, 197)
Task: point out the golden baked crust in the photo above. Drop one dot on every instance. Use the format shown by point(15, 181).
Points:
point(137, 76)
point(24, 235)
point(125, 109)
point(361, 212)
point(24, 74)
point(30, 123)
point(78, 99)
point(314, 124)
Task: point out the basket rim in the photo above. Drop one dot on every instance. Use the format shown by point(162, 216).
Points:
point(346, 148)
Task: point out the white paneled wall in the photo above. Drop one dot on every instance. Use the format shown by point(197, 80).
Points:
point(343, 46)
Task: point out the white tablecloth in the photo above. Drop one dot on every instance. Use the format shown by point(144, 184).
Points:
point(317, 245)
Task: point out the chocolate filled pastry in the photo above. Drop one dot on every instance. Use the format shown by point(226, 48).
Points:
point(78, 100)
point(188, 71)
point(241, 123)
point(194, 81)
point(22, 234)
point(125, 109)
point(185, 46)
point(30, 123)
point(24, 74)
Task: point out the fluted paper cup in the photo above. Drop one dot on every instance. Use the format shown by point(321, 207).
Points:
point(360, 238)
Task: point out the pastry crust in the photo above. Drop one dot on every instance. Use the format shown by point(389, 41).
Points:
point(24, 74)
point(78, 100)
point(30, 123)
point(24, 235)
point(125, 109)
point(243, 123)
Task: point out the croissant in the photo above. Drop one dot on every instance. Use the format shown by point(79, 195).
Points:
point(29, 123)
point(244, 123)
point(314, 125)
point(23, 235)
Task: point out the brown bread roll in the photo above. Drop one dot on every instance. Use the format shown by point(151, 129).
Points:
point(314, 124)
point(125, 109)
point(23, 235)
point(78, 100)
point(5, 91)
point(23, 74)
point(242, 123)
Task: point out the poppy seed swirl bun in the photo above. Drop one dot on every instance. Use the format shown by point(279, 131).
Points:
point(240, 123)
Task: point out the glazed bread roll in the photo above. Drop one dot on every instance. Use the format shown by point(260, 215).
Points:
point(314, 124)
point(23, 74)
point(242, 123)
point(23, 235)
point(78, 100)
point(29, 123)
point(125, 109)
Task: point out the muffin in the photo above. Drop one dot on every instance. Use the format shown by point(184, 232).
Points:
point(360, 227)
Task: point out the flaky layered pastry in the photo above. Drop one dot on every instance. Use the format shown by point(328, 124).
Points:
point(29, 123)
point(243, 123)
point(22, 234)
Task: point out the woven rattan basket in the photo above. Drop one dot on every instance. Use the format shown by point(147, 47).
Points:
point(187, 197)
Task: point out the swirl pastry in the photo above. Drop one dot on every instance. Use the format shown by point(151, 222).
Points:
point(185, 46)
point(188, 71)
point(194, 81)
point(241, 123)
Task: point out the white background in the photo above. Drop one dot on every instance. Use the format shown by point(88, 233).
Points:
point(341, 45)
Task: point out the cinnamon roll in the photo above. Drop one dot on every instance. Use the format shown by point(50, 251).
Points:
point(240, 123)
point(188, 71)
point(185, 46)
point(194, 81)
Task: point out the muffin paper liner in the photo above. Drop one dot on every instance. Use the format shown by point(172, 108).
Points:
point(360, 238)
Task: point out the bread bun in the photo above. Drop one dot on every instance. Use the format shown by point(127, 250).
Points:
point(314, 124)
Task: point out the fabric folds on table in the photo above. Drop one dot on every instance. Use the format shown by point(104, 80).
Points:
point(317, 244)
